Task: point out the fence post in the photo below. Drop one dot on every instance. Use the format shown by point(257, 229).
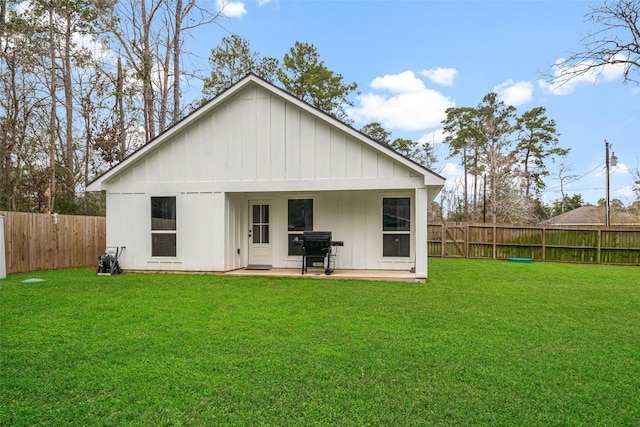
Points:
point(466, 240)
point(495, 242)
point(3, 263)
point(544, 244)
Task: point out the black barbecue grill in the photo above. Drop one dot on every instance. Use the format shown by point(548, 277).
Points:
point(317, 250)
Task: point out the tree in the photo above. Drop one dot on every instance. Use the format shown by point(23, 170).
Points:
point(495, 127)
point(537, 140)
point(613, 42)
point(231, 60)
point(482, 137)
point(635, 172)
point(462, 133)
point(564, 178)
point(150, 35)
point(567, 204)
point(421, 154)
point(20, 102)
point(304, 75)
point(376, 131)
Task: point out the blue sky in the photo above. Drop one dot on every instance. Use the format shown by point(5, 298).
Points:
point(414, 59)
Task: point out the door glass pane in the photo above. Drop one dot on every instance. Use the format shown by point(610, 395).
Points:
point(260, 224)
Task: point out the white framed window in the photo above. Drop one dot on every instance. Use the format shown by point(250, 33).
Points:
point(396, 227)
point(299, 219)
point(163, 226)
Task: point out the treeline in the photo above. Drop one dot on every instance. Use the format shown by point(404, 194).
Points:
point(83, 83)
point(505, 159)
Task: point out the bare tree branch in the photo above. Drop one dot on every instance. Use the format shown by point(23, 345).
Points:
point(610, 50)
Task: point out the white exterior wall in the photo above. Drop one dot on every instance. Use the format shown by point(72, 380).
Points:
point(200, 231)
point(259, 145)
point(206, 221)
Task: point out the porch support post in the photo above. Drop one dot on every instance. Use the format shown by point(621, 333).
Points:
point(422, 205)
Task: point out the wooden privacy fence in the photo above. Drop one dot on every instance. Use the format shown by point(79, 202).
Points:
point(561, 244)
point(49, 242)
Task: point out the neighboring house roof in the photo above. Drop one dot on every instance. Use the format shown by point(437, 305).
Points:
point(251, 79)
point(592, 215)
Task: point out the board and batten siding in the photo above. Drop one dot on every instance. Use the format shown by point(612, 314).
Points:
point(200, 231)
point(255, 142)
point(212, 229)
point(258, 142)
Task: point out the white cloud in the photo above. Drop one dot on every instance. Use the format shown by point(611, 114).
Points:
point(99, 51)
point(514, 93)
point(620, 169)
point(410, 106)
point(625, 192)
point(435, 137)
point(441, 76)
point(398, 83)
point(451, 171)
point(231, 9)
point(263, 2)
point(581, 74)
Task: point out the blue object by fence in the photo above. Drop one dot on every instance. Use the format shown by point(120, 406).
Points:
point(519, 259)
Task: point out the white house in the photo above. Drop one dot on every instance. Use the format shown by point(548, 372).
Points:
point(234, 183)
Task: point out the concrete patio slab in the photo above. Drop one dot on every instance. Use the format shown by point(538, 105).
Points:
point(380, 275)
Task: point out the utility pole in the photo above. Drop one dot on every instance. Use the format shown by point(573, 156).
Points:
point(609, 161)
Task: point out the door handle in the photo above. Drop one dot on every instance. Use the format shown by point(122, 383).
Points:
point(250, 233)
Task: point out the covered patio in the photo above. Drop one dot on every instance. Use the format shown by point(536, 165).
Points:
point(377, 275)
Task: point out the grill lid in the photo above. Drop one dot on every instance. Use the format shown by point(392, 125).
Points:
point(316, 236)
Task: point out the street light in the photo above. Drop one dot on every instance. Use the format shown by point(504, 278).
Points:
point(613, 161)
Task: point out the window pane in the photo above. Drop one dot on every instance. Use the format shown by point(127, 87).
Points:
point(265, 233)
point(163, 213)
point(256, 234)
point(265, 214)
point(295, 248)
point(163, 244)
point(396, 214)
point(256, 214)
point(301, 215)
point(396, 245)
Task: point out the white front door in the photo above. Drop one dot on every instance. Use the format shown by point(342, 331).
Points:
point(259, 234)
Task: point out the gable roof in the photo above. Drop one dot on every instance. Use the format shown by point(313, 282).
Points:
point(225, 96)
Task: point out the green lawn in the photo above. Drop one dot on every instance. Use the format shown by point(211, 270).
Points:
point(482, 343)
